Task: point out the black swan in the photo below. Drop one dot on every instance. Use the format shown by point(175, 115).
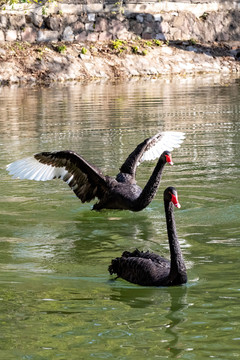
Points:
point(88, 182)
point(149, 269)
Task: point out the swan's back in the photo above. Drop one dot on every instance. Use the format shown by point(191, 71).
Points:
point(143, 268)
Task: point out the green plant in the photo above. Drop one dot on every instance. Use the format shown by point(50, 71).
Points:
point(157, 42)
point(44, 10)
point(19, 46)
point(135, 49)
point(144, 52)
point(84, 50)
point(120, 7)
point(13, 2)
point(41, 53)
point(193, 41)
point(204, 16)
point(61, 48)
point(117, 44)
point(148, 43)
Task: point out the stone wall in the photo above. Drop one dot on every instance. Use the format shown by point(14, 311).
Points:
point(205, 21)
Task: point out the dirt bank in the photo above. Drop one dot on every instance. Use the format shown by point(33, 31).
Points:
point(44, 63)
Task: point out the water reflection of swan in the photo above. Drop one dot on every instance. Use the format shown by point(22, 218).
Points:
point(88, 182)
point(150, 269)
point(163, 310)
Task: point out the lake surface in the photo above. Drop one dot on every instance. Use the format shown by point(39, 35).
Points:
point(57, 299)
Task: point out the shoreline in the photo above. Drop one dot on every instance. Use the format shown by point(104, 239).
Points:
point(25, 63)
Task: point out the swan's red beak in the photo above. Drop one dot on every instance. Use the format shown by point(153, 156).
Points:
point(169, 159)
point(175, 201)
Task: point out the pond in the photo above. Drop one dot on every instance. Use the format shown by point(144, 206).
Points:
point(57, 299)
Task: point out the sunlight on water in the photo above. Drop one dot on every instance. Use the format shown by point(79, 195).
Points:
point(57, 299)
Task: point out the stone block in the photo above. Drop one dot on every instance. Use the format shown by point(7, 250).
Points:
point(68, 34)
point(105, 36)
point(149, 18)
point(101, 24)
point(37, 20)
point(89, 27)
point(29, 35)
point(53, 23)
point(70, 19)
point(149, 27)
point(47, 35)
point(136, 27)
point(175, 34)
point(123, 35)
point(147, 36)
point(179, 21)
point(225, 37)
point(3, 21)
point(78, 27)
point(165, 27)
point(116, 26)
point(81, 37)
point(11, 35)
point(17, 21)
point(140, 18)
point(92, 37)
point(160, 36)
point(91, 17)
point(2, 37)
point(157, 17)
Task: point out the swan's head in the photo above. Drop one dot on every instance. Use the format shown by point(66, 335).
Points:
point(168, 157)
point(171, 195)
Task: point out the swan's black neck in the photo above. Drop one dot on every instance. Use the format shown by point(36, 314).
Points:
point(178, 274)
point(151, 187)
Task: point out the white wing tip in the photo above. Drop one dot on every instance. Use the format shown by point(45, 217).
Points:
point(31, 169)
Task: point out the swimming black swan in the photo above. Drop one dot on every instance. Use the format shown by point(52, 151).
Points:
point(149, 269)
point(88, 182)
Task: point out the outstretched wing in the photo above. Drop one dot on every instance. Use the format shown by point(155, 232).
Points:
point(83, 178)
point(151, 149)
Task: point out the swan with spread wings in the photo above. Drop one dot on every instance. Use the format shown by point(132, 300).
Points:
point(88, 182)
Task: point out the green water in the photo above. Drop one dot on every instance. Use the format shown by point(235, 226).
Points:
point(57, 300)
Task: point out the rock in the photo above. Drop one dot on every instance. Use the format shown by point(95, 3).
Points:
point(89, 27)
point(147, 35)
point(85, 57)
point(81, 37)
point(47, 35)
point(105, 36)
point(92, 37)
point(160, 36)
point(91, 17)
point(2, 37)
point(140, 18)
point(149, 18)
point(53, 23)
point(136, 27)
point(37, 20)
point(3, 21)
point(29, 34)
point(71, 19)
point(68, 34)
point(17, 21)
point(101, 24)
point(157, 17)
point(11, 35)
